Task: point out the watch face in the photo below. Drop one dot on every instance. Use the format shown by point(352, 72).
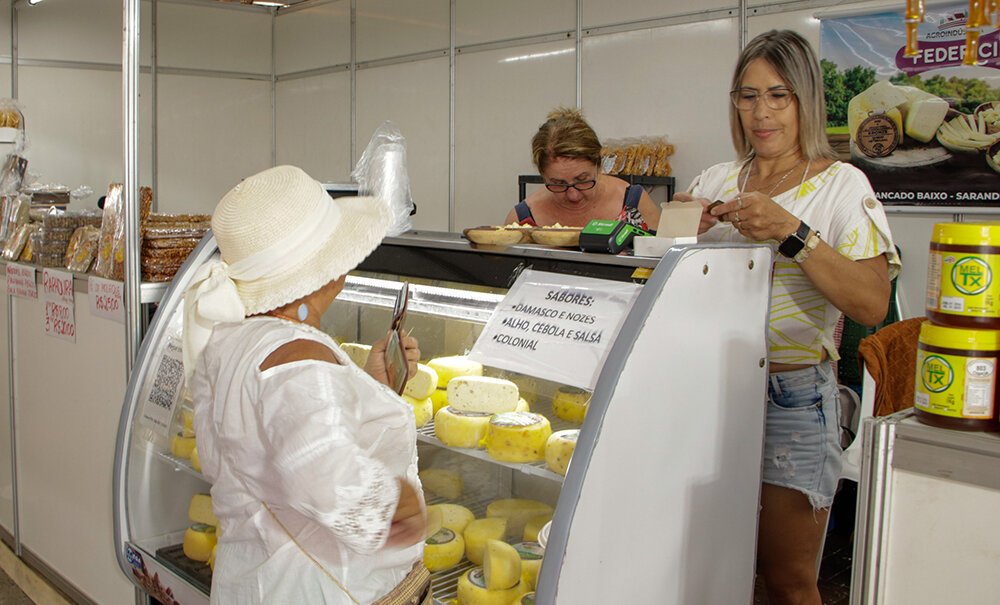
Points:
point(794, 242)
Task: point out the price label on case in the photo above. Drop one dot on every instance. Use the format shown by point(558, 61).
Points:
point(106, 298)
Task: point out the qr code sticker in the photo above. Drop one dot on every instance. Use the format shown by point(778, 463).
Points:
point(168, 378)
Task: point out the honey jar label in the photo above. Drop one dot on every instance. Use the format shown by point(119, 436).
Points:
point(955, 386)
point(963, 284)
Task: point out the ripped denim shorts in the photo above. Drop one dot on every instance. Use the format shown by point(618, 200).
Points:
point(802, 437)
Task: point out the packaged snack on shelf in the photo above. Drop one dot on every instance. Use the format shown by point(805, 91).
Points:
point(91, 217)
point(160, 230)
point(189, 243)
point(15, 244)
point(15, 214)
point(638, 156)
point(110, 261)
point(55, 218)
point(49, 260)
point(166, 255)
point(30, 246)
point(12, 174)
point(82, 249)
point(161, 217)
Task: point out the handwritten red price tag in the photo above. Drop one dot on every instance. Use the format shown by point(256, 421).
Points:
point(58, 286)
point(21, 281)
point(60, 321)
point(106, 298)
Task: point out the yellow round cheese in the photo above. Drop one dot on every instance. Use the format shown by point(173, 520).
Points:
point(211, 557)
point(453, 516)
point(201, 511)
point(559, 449)
point(443, 550)
point(460, 429)
point(517, 511)
point(199, 539)
point(181, 445)
point(570, 403)
point(455, 365)
point(423, 409)
point(531, 554)
point(442, 482)
point(517, 437)
point(195, 460)
point(472, 590)
point(522, 405)
point(501, 566)
point(423, 383)
point(440, 399)
point(527, 598)
point(535, 525)
point(476, 534)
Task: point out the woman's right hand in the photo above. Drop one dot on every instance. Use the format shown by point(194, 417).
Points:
point(707, 220)
point(409, 524)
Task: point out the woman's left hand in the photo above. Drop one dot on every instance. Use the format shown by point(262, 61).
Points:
point(375, 366)
point(757, 217)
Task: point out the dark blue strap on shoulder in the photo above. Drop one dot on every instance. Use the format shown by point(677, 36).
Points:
point(523, 212)
point(632, 196)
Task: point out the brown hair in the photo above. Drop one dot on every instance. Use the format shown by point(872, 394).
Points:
point(791, 56)
point(565, 134)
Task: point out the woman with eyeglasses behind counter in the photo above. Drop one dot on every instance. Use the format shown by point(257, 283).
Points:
point(567, 153)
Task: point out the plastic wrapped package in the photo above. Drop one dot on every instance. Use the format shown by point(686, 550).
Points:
point(647, 156)
point(82, 249)
point(30, 246)
point(110, 262)
point(169, 256)
point(91, 217)
point(12, 174)
point(54, 218)
point(50, 260)
point(12, 124)
point(16, 213)
point(161, 217)
point(188, 243)
point(381, 172)
point(154, 231)
point(15, 244)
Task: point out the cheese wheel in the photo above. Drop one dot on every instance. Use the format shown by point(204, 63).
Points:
point(472, 590)
point(199, 539)
point(440, 399)
point(435, 521)
point(571, 404)
point(531, 554)
point(517, 437)
point(181, 445)
point(195, 460)
point(501, 566)
point(460, 429)
point(211, 557)
point(559, 449)
point(517, 512)
point(358, 353)
point(535, 525)
point(525, 599)
point(200, 510)
point(522, 405)
point(527, 386)
point(423, 409)
point(453, 516)
point(443, 550)
point(442, 482)
point(423, 383)
point(456, 365)
point(477, 532)
point(482, 394)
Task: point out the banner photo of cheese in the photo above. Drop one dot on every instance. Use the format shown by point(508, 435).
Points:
point(896, 126)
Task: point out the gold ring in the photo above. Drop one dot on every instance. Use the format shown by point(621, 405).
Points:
point(739, 202)
point(736, 216)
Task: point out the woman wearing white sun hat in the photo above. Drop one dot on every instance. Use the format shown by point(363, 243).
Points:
point(312, 459)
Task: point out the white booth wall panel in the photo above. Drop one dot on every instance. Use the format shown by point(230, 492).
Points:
point(314, 125)
point(602, 12)
point(389, 28)
point(634, 84)
point(501, 97)
point(479, 21)
point(68, 399)
point(415, 97)
point(318, 36)
point(74, 127)
point(206, 37)
point(80, 30)
point(6, 436)
point(212, 133)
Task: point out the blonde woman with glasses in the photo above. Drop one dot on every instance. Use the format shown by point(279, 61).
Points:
point(833, 255)
point(567, 153)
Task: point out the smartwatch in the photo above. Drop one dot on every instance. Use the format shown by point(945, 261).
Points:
point(794, 243)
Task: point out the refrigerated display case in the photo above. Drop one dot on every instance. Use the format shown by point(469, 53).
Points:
point(660, 501)
point(925, 530)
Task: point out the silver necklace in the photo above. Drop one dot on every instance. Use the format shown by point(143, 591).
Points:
point(776, 185)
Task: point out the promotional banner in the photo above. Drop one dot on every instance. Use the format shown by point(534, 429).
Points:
point(924, 128)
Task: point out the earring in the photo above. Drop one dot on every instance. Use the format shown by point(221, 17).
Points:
point(303, 312)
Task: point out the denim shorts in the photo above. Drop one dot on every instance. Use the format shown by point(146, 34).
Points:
point(802, 438)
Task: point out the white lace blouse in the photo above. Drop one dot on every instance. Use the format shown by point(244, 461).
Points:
point(323, 445)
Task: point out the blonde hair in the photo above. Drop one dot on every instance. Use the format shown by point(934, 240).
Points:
point(565, 134)
point(791, 56)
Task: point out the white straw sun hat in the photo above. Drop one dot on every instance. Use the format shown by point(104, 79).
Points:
point(281, 237)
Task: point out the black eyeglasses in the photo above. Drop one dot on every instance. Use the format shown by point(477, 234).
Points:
point(579, 186)
point(746, 99)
